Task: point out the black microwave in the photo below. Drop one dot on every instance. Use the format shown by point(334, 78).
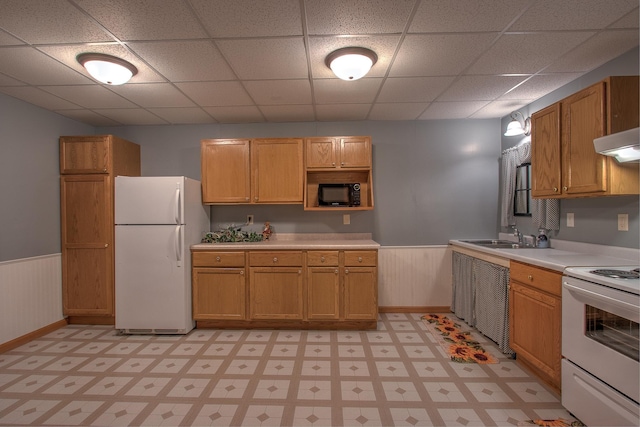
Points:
point(339, 194)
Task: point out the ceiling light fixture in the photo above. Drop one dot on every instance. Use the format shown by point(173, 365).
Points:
point(106, 68)
point(351, 63)
point(518, 126)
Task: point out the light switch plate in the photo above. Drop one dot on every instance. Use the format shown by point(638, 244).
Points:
point(346, 219)
point(570, 222)
point(623, 222)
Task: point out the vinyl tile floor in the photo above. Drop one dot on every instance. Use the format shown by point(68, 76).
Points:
point(396, 375)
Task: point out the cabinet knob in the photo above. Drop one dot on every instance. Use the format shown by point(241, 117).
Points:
point(242, 272)
point(530, 277)
point(246, 198)
point(346, 271)
point(299, 271)
point(106, 245)
point(565, 188)
point(359, 259)
point(275, 259)
point(555, 189)
point(341, 163)
point(333, 163)
point(336, 271)
point(256, 198)
point(322, 259)
point(218, 258)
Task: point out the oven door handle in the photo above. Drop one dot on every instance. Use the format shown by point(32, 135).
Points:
point(596, 297)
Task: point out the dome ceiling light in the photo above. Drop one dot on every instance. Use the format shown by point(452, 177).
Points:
point(106, 68)
point(351, 63)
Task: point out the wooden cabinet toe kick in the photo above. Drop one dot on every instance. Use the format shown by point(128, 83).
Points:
point(288, 324)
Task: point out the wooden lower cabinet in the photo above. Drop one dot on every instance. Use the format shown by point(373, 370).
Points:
point(327, 289)
point(535, 316)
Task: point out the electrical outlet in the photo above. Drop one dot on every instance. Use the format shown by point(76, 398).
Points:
point(346, 219)
point(570, 222)
point(623, 222)
point(249, 219)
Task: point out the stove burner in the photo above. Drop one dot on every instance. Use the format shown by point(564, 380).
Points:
point(617, 274)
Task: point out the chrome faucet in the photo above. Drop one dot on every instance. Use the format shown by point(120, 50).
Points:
point(518, 234)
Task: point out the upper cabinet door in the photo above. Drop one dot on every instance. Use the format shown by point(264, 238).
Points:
point(355, 152)
point(322, 153)
point(277, 170)
point(583, 120)
point(226, 172)
point(84, 154)
point(545, 152)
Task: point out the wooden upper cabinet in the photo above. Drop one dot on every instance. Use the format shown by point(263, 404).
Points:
point(564, 161)
point(277, 170)
point(98, 154)
point(252, 171)
point(226, 171)
point(338, 152)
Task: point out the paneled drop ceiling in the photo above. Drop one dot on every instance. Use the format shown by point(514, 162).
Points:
point(246, 61)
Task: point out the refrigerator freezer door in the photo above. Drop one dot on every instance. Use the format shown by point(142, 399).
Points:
point(149, 200)
point(153, 279)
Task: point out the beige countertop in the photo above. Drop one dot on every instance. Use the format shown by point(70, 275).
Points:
point(299, 241)
point(561, 254)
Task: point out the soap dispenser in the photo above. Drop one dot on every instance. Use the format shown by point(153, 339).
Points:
point(542, 241)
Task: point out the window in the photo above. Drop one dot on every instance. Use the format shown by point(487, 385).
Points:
point(522, 196)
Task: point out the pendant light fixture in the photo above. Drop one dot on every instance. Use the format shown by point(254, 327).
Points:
point(107, 69)
point(518, 126)
point(351, 63)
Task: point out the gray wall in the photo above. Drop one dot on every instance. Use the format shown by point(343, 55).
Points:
point(433, 180)
point(29, 178)
point(596, 219)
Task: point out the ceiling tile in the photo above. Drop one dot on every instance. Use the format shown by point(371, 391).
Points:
point(132, 116)
point(336, 91)
point(181, 61)
point(413, 89)
point(216, 94)
point(526, 53)
point(153, 95)
point(8, 81)
point(89, 96)
point(279, 92)
point(145, 19)
point(276, 59)
point(630, 20)
point(51, 21)
point(604, 46)
point(340, 112)
point(438, 55)
point(8, 40)
point(397, 111)
point(67, 55)
point(37, 97)
point(539, 85)
point(26, 64)
point(480, 88)
point(288, 113)
point(342, 17)
point(498, 109)
point(449, 16)
point(250, 18)
point(451, 110)
point(236, 114)
point(572, 14)
point(183, 115)
point(321, 47)
point(89, 117)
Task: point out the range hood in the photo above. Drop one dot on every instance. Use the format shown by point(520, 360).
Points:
point(624, 146)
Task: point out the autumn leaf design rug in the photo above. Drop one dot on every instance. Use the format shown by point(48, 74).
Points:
point(456, 342)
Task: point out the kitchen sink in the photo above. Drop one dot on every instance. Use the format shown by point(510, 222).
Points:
point(493, 243)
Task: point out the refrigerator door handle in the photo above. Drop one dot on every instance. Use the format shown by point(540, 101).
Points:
point(177, 204)
point(178, 247)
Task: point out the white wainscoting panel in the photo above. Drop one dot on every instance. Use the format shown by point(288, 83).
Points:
point(414, 276)
point(30, 295)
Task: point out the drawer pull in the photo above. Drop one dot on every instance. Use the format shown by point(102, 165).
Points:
point(218, 258)
point(359, 259)
point(530, 277)
point(275, 259)
point(321, 259)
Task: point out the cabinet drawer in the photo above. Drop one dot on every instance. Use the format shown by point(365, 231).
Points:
point(539, 278)
point(275, 259)
point(320, 258)
point(358, 258)
point(218, 259)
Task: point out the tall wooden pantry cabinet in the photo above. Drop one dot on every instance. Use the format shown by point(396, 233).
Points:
point(88, 166)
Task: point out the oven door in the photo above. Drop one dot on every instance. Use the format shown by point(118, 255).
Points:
point(600, 333)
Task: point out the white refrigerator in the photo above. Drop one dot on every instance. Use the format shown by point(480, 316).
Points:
point(157, 219)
